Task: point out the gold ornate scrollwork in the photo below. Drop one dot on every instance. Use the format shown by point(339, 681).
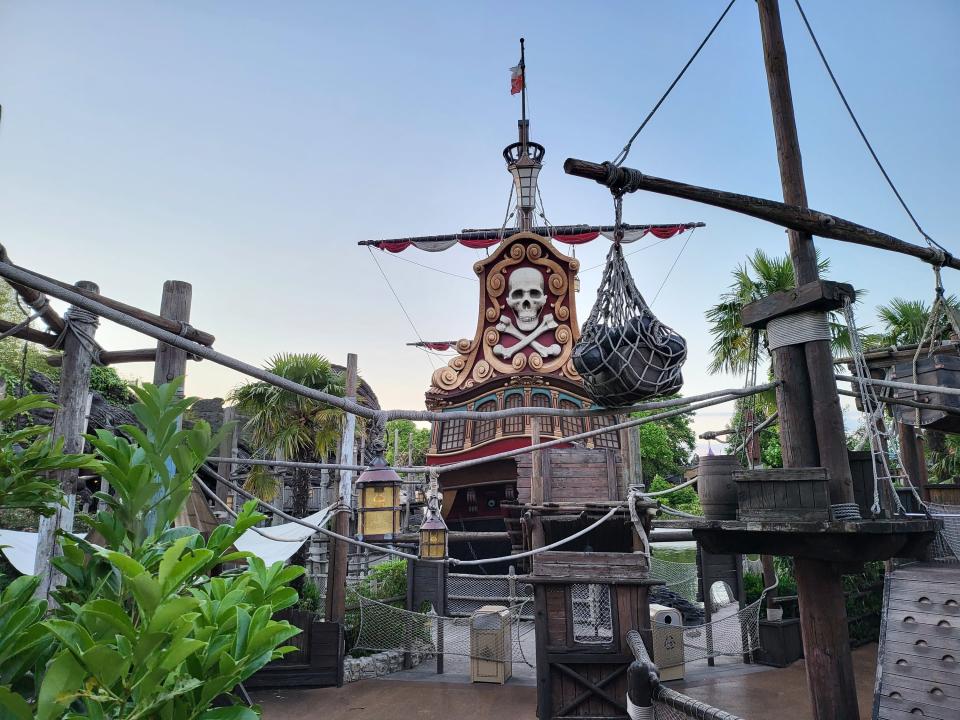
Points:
point(491, 337)
point(519, 361)
point(536, 362)
point(481, 370)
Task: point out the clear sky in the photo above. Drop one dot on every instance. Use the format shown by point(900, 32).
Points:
point(246, 146)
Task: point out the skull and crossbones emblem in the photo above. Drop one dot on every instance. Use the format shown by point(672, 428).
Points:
point(526, 297)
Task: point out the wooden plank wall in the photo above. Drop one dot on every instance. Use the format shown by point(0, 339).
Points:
point(317, 663)
point(574, 475)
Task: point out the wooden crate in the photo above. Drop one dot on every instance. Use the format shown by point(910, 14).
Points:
point(939, 370)
point(783, 494)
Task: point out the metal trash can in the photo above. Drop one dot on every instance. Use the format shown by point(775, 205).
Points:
point(667, 630)
point(491, 649)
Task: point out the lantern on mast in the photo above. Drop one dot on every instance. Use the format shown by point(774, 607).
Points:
point(524, 158)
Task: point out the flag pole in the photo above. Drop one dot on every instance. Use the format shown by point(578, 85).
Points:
point(523, 86)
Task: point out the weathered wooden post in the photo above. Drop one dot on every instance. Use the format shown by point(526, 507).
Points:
point(807, 400)
point(70, 424)
point(337, 554)
point(171, 363)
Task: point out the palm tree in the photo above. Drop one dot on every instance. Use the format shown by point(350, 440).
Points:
point(294, 427)
point(904, 323)
point(759, 276)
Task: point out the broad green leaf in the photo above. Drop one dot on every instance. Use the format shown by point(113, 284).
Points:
point(13, 706)
point(63, 679)
point(233, 712)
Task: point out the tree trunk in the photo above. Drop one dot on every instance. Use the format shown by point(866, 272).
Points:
point(301, 498)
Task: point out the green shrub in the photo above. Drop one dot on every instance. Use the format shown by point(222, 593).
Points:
point(685, 499)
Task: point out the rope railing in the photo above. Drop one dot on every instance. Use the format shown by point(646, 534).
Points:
point(460, 465)
point(662, 702)
point(897, 385)
point(25, 277)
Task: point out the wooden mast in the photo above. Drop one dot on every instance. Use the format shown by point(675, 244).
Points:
point(807, 375)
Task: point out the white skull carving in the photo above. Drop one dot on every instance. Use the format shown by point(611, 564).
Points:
point(525, 297)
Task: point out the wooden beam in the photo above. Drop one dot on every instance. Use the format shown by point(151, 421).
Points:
point(39, 337)
point(114, 357)
point(789, 216)
point(822, 295)
point(69, 425)
point(189, 332)
point(37, 299)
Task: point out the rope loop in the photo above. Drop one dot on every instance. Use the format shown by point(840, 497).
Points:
point(185, 328)
point(82, 324)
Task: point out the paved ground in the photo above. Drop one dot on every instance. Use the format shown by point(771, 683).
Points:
point(751, 691)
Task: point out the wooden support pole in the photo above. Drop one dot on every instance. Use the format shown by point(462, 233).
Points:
point(769, 578)
point(37, 300)
point(829, 665)
point(826, 643)
point(70, 423)
point(113, 357)
point(160, 321)
point(228, 449)
point(171, 362)
point(46, 339)
point(911, 457)
point(337, 554)
point(536, 464)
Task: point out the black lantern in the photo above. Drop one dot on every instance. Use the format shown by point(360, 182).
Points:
point(433, 532)
point(378, 488)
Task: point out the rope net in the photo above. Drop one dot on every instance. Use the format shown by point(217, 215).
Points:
point(734, 635)
point(488, 636)
point(625, 354)
point(468, 593)
point(947, 543)
point(680, 577)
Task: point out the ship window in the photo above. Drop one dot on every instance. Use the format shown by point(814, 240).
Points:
point(546, 422)
point(451, 435)
point(484, 430)
point(513, 425)
point(570, 425)
point(605, 440)
point(592, 613)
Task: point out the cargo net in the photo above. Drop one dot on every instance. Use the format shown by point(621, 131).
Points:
point(946, 546)
point(468, 593)
point(680, 577)
point(487, 636)
point(669, 704)
point(736, 634)
point(625, 354)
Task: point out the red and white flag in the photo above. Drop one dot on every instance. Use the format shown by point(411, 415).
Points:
point(516, 79)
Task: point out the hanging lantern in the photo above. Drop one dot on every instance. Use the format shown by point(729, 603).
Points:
point(378, 488)
point(433, 535)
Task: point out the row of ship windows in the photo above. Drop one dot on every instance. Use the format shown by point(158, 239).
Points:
point(453, 434)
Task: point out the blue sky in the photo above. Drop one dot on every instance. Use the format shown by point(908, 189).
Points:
point(245, 147)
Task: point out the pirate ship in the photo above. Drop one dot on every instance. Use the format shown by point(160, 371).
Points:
point(520, 355)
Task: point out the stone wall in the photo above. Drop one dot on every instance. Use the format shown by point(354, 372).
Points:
point(377, 665)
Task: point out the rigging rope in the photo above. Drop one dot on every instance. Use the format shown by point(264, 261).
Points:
point(399, 302)
point(670, 271)
point(622, 156)
point(930, 241)
point(873, 416)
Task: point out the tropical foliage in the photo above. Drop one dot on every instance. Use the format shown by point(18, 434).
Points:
point(291, 426)
point(685, 499)
point(27, 458)
point(760, 275)
point(665, 445)
point(142, 628)
point(421, 443)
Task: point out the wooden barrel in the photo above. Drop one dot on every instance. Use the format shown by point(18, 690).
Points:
point(716, 488)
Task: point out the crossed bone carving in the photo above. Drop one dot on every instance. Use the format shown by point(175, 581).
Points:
point(506, 326)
